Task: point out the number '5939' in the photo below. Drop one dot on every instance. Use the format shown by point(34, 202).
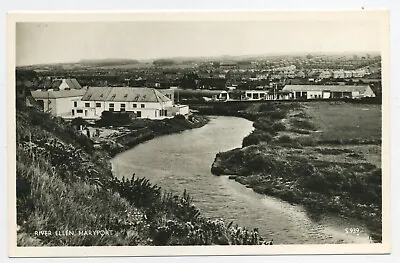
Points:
point(352, 230)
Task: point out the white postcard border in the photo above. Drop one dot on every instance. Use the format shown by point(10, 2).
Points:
point(381, 16)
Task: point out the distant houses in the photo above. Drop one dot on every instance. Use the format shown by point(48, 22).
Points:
point(293, 92)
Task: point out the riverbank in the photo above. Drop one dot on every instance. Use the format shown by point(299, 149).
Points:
point(65, 185)
point(141, 130)
point(328, 166)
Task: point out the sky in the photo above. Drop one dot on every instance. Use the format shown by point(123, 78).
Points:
point(58, 42)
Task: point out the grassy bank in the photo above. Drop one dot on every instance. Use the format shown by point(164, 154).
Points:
point(65, 187)
point(301, 154)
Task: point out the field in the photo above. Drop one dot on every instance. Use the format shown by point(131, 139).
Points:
point(346, 120)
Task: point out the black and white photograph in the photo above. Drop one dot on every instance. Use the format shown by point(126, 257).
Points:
point(169, 133)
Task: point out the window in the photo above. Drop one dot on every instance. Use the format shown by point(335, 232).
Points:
point(142, 105)
point(75, 104)
point(122, 106)
point(73, 112)
point(111, 107)
point(134, 105)
point(98, 104)
point(163, 112)
point(79, 111)
point(139, 114)
point(87, 104)
point(41, 103)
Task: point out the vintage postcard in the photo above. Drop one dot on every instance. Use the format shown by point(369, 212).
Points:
point(198, 133)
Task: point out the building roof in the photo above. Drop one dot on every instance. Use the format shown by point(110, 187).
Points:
point(124, 94)
point(55, 94)
point(72, 83)
point(332, 88)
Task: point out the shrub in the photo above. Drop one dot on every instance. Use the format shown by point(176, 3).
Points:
point(179, 117)
point(265, 125)
point(307, 141)
point(267, 107)
point(109, 118)
point(277, 115)
point(85, 143)
point(303, 124)
point(278, 126)
point(78, 122)
point(256, 137)
point(284, 139)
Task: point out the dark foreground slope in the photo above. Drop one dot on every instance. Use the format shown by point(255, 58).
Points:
point(323, 155)
point(66, 188)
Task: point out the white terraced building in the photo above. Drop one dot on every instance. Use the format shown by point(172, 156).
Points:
point(144, 102)
point(327, 91)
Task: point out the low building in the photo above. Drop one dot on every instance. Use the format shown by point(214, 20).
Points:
point(255, 94)
point(327, 91)
point(144, 102)
point(223, 96)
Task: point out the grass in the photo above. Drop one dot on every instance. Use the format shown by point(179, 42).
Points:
point(346, 120)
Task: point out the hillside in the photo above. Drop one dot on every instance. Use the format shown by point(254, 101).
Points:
point(66, 188)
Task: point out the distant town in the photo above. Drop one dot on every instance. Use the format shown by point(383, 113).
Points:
point(89, 87)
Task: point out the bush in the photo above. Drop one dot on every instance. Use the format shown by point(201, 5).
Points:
point(78, 122)
point(179, 117)
point(85, 143)
point(265, 125)
point(256, 137)
point(284, 139)
point(277, 115)
point(307, 141)
point(267, 107)
point(109, 118)
point(303, 124)
point(278, 126)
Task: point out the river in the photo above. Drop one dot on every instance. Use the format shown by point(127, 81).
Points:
point(183, 161)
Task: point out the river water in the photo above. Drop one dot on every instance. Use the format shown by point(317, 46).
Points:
point(183, 161)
